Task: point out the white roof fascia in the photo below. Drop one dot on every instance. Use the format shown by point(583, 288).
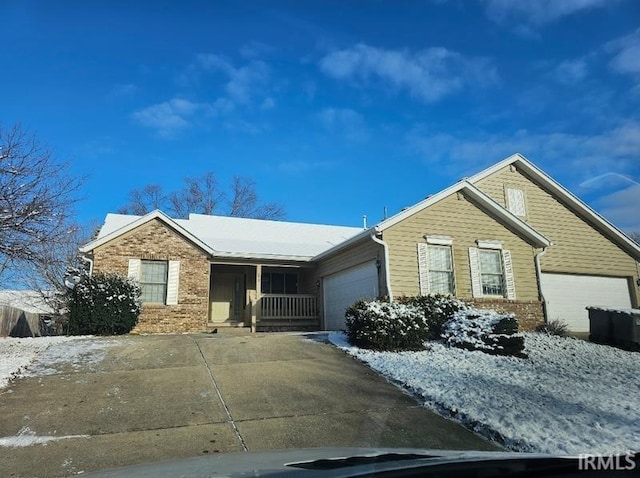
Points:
point(506, 215)
point(525, 165)
point(250, 255)
point(410, 211)
point(157, 214)
point(352, 240)
point(479, 196)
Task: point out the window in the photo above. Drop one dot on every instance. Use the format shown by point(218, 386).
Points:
point(491, 272)
point(153, 281)
point(516, 202)
point(279, 283)
point(440, 269)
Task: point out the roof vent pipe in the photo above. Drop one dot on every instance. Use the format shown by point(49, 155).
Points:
point(364, 221)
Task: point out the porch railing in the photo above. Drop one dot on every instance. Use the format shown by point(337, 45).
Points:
point(288, 306)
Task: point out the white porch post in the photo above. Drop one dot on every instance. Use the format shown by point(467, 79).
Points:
point(255, 309)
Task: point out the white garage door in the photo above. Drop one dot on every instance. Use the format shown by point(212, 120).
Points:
point(568, 295)
point(342, 289)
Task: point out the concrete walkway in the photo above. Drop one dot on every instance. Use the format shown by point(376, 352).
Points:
point(154, 398)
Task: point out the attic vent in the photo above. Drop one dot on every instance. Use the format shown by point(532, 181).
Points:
point(516, 202)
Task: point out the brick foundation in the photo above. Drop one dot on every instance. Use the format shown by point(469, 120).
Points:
point(528, 312)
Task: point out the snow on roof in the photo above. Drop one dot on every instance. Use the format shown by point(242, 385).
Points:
point(252, 238)
point(30, 301)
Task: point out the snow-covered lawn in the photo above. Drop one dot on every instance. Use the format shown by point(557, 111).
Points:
point(41, 355)
point(568, 397)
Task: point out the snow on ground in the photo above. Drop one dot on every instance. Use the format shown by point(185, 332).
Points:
point(27, 437)
point(568, 397)
point(39, 356)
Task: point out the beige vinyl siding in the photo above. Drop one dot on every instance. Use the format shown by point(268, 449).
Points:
point(578, 247)
point(464, 222)
point(364, 251)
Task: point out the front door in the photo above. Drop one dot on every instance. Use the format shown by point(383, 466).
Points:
point(226, 296)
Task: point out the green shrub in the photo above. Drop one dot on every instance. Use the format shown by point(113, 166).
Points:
point(554, 327)
point(382, 325)
point(103, 304)
point(437, 309)
point(484, 330)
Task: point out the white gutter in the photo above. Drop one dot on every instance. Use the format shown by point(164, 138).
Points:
point(539, 274)
point(90, 261)
point(387, 275)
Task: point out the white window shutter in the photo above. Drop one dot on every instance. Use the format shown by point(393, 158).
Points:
point(423, 268)
point(173, 282)
point(476, 277)
point(135, 266)
point(509, 281)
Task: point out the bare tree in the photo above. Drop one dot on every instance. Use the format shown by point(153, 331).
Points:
point(144, 200)
point(244, 201)
point(37, 198)
point(199, 195)
point(55, 264)
point(203, 195)
point(635, 236)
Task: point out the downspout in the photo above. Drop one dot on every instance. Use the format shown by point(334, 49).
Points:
point(387, 275)
point(90, 261)
point(539, 274)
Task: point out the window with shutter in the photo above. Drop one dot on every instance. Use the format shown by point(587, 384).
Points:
point(173, 282)
point(153, 281)
point(491, 273)
point(440, 269)
point(423, 268)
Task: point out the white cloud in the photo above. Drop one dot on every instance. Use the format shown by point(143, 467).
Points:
point(570, 72)
point(621, 207)
point(344, 121)
point(581, 155)
point(244, 82)
point(428, 75)
point(626, 51)
point(268, 103)
point(537, 12)
point(172, 116)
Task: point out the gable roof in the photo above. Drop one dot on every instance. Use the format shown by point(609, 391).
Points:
point(503, 215)
point(117, 224)
point(577, 205)
point(233, 237)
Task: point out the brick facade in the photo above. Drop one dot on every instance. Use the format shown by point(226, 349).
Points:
point(156, 241)
point(528, 312)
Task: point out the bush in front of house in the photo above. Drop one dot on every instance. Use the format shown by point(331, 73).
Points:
point(437, 310)
point(484, 330)
point(103, 304)
point(380, 325)
point(554, 327)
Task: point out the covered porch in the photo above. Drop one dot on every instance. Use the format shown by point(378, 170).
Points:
point(265, 297)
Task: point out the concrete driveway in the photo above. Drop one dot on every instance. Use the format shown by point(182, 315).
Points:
point(154, 398)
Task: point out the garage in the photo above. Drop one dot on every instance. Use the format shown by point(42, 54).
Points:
point(343, 288)
point(567, 296)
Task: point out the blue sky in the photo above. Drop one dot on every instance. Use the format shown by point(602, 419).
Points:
point(335, 108)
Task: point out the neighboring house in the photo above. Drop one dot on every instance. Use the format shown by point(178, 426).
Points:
point(509, 238)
